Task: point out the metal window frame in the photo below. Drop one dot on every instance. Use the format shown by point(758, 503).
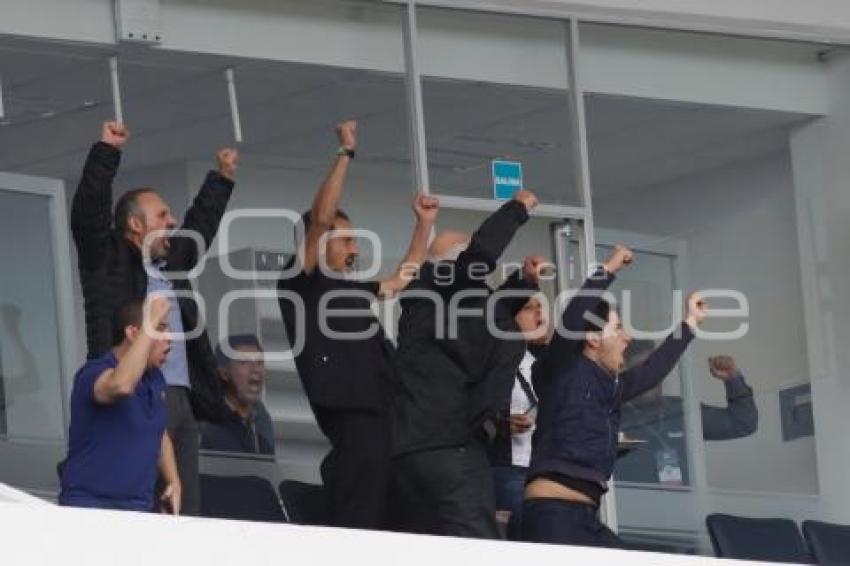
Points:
point(69, 346)
point(579, 217)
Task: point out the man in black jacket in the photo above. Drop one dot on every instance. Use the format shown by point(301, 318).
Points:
point(346, 362)
point(455, 371)
point(130, 258)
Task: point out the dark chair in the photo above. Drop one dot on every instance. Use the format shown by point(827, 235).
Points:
point(773, 540)
point(247, 498)
point(830, 543)
point(305, 503)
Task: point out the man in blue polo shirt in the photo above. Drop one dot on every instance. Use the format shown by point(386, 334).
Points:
point(117, 438)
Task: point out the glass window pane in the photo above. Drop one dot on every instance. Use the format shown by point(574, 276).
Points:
point(704, 192)
point(494, 88)
point(29, 342)
point(51, 94)
point(655, 421)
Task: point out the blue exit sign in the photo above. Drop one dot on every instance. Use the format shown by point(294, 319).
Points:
point(507, 179)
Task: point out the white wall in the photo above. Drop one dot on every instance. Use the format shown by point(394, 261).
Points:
point(45, 534)
point(509, 49)
point(667, 65)
point(90, 20)
point(815, 20)
point(739, 228)
point(821, 171)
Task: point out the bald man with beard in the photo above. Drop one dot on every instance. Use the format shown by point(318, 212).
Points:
point(453, 384)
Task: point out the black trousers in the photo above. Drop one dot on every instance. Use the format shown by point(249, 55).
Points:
point(185, 435)
point(356, 472)
point(556, 521)
point(446, 491)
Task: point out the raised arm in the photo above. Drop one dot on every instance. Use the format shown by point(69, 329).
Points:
point(91, 209)
point(492, 237)
point(426, 209)
point(740, 416)
point(171, 496)
point(661, 362)
point(521, 285)
point(206, 211)
point(115, 384)
point(326, 201)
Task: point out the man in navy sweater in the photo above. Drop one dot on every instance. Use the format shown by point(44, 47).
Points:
point(575, 444)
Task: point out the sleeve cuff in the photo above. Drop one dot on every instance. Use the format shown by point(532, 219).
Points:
point(106, 151)
point(736, 387)
point(219, 181)
point(600, 278)
point(518, 209)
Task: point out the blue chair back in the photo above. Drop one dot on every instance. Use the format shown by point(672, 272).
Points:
point(247, 498)
point(830, 543)
point(772, 540)
point(305, 503)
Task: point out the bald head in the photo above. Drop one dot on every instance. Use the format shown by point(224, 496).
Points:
point(448, 245)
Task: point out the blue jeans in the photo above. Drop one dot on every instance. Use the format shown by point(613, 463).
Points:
point(509, 483)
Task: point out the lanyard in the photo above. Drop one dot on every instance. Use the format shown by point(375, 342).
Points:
point(526, 388)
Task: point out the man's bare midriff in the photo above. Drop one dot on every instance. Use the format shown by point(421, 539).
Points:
point(542, 488)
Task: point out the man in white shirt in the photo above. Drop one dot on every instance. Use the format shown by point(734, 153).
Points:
point(512, 450)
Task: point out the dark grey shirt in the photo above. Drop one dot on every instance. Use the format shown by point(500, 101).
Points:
point(253, 435)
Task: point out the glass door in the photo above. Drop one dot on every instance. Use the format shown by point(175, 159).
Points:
point(37, 355)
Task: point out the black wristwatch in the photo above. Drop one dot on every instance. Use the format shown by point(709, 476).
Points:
point(345, 151)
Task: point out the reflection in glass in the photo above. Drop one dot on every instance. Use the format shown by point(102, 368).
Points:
point(712, 189)
point(31, 384)
point(494, 87)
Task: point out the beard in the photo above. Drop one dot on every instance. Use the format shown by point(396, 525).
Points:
point(159, 250)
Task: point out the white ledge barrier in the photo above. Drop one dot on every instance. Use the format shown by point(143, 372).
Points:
point(37, 533)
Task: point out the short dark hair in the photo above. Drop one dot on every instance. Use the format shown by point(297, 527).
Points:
point(129, 313)
point(235, 341)
point(307, 220)
point(127, 206)
point(603, 311)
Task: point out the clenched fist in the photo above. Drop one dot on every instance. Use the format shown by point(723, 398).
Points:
point(534, 266)
point(527, 198)
point(722, 367)
point(227, 160)
point(115, 134)
point(697, 310)
point(620, 257)
point(426, 208)
point(346, 132)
